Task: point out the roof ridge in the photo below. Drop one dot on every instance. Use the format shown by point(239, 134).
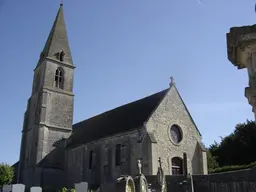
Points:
point(132, 102)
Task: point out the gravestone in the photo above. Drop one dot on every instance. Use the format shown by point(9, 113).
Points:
point(35, 189)
point(108, 187)
point(161, 179)
point(18, 188)
point(14, 188)
point(141, 184)
point(7, 188)
point(81, 187)
point(125, 184)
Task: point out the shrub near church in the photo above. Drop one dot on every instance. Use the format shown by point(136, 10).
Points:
point(6, 174)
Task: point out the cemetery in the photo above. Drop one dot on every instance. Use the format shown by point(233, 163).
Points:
point(238, 181)
point(124, 149)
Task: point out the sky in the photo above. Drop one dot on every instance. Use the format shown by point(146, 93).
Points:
point(125, 50)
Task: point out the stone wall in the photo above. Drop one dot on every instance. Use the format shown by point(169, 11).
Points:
point(242, 181)
point(103, 168)
point(59, 110)
point(235, 181)
point(172, 111)
point(48, 119)
point(156, 143)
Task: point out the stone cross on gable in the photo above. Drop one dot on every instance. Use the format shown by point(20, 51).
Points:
point(172, 81)
point(139, 166)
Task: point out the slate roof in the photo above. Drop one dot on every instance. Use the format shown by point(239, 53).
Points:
point(121, 119)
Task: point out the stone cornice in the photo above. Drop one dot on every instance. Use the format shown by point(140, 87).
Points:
point(250, 93)
point(56, 62)
point(55, 127)
point(238, 40)
point(58, 91)
point(43, 124)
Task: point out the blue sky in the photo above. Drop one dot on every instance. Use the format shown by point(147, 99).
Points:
point(124, 50)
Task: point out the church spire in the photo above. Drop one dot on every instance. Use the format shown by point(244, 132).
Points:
point(57, 46)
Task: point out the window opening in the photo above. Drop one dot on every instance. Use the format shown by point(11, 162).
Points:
point(118, 154)
point(90, 159)
point(59, 78)
point(62, 54)
point(177, 168)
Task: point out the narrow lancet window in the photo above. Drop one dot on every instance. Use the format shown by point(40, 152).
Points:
point(90, 159)
point(118, 154)
point(62, 54)
point(59, 78)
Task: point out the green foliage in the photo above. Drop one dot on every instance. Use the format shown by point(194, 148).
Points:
point(211, 161)
point(232, 168)
point(6, 174)
point(238, 147)
point(64, 189)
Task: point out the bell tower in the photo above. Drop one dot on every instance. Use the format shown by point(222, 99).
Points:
point(49, 115)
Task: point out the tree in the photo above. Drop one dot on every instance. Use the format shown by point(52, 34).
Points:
point(238, 147)
point(211, 161)
point(214, 147)
point(6, 174)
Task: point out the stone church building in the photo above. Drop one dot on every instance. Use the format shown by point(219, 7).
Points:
point(56, 153)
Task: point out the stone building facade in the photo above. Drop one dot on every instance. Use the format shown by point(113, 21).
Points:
point(54, 153)
point(241, 49)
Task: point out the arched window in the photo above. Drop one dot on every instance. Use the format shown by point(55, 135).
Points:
point(177, 166)
point(59, 78)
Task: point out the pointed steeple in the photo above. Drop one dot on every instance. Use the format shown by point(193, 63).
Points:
point(57, 46)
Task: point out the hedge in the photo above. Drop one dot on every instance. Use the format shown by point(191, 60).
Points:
point(232, 168)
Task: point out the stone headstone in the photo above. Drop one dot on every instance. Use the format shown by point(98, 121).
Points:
point(106, 187)
point(81, 187)
point(7, 188)
point(18, 188)
point(35, 189)
point(98, 190)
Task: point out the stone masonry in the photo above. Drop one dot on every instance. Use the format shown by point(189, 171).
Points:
point(241, 48)
point(156, 143)
point(49, 114)
point(171, 111)
point(54, 153)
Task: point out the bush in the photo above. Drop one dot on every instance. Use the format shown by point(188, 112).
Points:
point(211, 161)
point(232, 168)
point(64, 189)
point(6, 174)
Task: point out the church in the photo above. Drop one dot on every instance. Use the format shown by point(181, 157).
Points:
point(56, 153)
